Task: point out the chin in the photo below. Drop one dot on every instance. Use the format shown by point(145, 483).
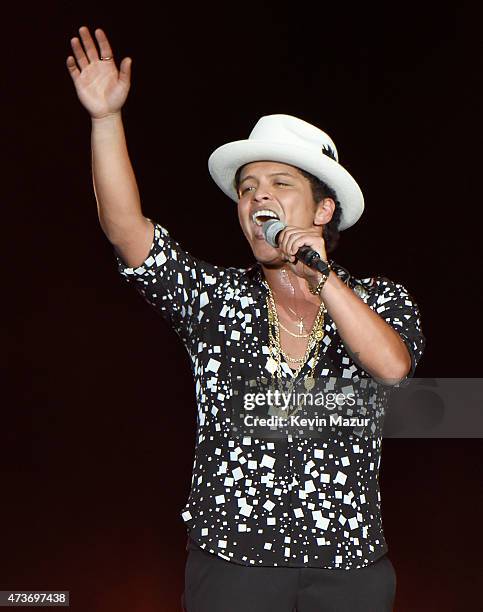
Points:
point(262, 251)
point(267, 255)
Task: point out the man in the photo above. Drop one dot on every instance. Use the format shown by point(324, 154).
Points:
point(291, 520)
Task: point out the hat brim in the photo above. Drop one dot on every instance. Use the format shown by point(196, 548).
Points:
point(225, 161)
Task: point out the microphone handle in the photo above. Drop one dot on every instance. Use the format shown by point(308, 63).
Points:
point(312, 259)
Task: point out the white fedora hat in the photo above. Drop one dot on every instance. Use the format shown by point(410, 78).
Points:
point(287, 139)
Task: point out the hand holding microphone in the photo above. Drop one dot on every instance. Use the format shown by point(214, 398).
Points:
point(303, 245)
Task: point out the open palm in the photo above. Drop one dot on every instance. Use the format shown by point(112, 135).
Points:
point(100, 86)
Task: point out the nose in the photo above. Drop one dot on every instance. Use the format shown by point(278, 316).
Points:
point(261, 194)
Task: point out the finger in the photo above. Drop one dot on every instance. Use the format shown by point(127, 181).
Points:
point(283, 246)
point(104, 45)
point(284, 236)
point(72, 67)
point(290, 231)
point(125, 70)
point(78, 50)
point(286, 254)
point(300, 239)
point(287, 237)
point(89, 45)
point(294, 239)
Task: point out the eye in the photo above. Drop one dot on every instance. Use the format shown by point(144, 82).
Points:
point(280, 183)
point(245, 189)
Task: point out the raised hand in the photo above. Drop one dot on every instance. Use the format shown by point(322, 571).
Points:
point(100, 86)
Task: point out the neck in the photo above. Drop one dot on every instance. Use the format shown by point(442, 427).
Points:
point(285, 283)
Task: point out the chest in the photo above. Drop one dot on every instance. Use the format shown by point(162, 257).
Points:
point(234, 334)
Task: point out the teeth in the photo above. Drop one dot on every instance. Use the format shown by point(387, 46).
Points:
point(261, 216)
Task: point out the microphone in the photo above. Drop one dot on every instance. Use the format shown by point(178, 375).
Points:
point(271, 231)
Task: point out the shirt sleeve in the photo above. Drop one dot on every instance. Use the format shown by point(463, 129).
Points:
point(396, 306)
point(176, 284)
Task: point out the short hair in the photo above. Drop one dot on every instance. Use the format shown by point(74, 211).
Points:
point(320, 190)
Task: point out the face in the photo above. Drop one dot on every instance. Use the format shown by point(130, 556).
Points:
point(274, 190)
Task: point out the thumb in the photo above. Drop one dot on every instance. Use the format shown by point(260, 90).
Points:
point(125, 70)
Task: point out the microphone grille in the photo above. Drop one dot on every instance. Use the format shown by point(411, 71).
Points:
point(271, 229)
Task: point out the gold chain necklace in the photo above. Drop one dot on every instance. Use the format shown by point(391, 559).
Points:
point(315, 338)
point(292, 359)
point(291, 333)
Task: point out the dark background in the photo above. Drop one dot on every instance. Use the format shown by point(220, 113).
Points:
point(98, 419)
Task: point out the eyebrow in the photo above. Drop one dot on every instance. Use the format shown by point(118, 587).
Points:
point(250, 176)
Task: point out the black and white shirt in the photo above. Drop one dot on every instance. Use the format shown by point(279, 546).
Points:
point(299, 502)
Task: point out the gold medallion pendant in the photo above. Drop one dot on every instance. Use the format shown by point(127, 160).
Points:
point(309, 383)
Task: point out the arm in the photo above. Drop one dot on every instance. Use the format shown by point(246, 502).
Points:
point(102, 90)
point(174, 282)
point(115, 187)
point(384, 338)
point(374, 344)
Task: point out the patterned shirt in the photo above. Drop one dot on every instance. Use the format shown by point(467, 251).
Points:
point(285, 501)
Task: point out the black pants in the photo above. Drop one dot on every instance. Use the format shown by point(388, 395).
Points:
point(215, 585)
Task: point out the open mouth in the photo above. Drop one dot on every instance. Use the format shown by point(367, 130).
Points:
point(260, 216)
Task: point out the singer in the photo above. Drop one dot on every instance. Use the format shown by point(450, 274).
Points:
point(273, 523)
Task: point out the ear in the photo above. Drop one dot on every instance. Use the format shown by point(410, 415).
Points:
point(324, 211)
